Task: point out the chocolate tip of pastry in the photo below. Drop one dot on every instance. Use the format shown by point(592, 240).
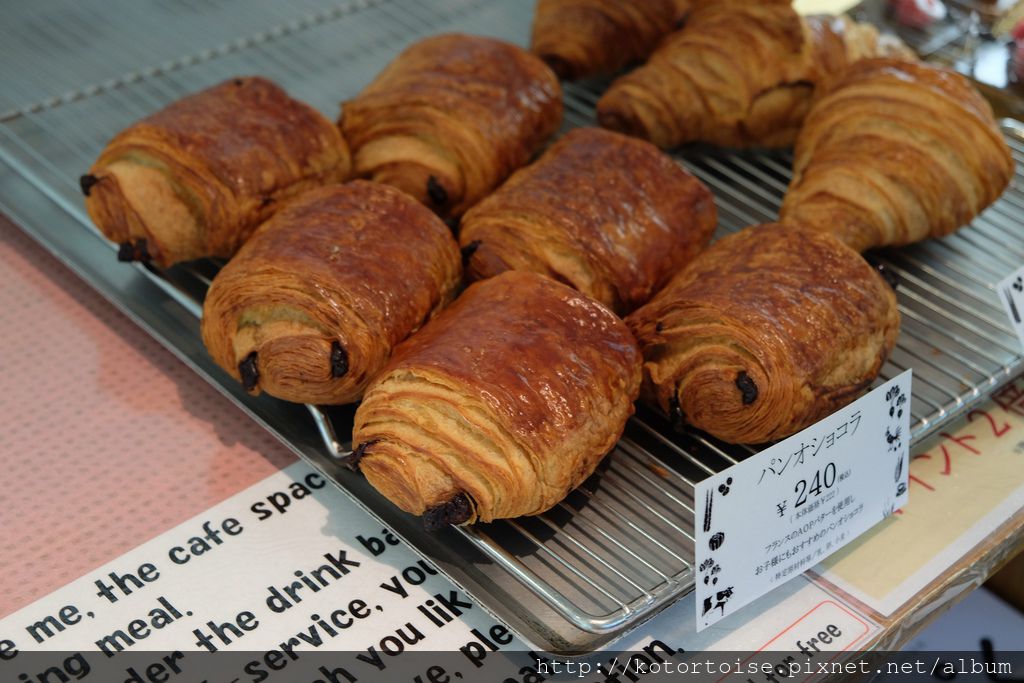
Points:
point(469, 250)
point(562, 67)
point(249, 371)
point(351, 460)
point(745, 383)
point(458, 510)
point(675, 413)
point(86, 182)
point(438, 195)
point(133, 251)
point(339, 360)
point(890, 275)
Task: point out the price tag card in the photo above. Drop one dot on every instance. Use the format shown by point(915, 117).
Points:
point(1011, 293)
point(780, 512)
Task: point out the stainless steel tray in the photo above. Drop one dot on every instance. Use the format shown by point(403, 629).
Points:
point(619, 548)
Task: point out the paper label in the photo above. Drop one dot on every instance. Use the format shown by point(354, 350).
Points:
point(782, 511)
point(1011, 293)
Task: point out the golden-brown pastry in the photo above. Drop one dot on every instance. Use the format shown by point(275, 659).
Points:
point(196, 178)
point(683, 8)
point(579, 38)
point(501, 405)
point(452, 117)
point(610, 215)
point(769, 330)
point(739, 73)
point(896, 152)
point(313, 304)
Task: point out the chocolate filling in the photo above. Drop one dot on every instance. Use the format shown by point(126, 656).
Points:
point(339, 360)
point(351, 461)
point(436, 192)
point(133, 251)
point(249, 371)
point(747, 387)
point(468, 251)
point(456, 511)
point(86, 182)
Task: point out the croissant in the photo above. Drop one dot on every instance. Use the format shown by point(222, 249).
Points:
point(610, 215)
point(579, 38)
point(768, 331)
point(499, 406)
point(452, 117)
point(739, 73)
point(196, 178)
point(313, 304)
point(894, 153)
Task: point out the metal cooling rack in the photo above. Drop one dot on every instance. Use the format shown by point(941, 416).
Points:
point(620, 547)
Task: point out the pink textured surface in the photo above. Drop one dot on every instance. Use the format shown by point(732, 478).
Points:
point(106, 439)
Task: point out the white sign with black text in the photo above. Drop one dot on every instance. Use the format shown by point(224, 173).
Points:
point(782, 511)
point(1011, 293)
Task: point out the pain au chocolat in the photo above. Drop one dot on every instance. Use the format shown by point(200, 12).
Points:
point(500, 405)
point(769, 330)
point(196, 178)
point(451, 117)
point(610, 215)
point(313, 304)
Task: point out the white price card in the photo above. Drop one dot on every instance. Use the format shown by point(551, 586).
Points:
point(780, 512)
point(1011, 293)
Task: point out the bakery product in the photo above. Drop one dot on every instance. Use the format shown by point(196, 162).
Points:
point(451, 117)
point(501, 405)
point(683, 8)
point(769, 330)
point(895, 152)
point(197, 177)
point(739, 73)
point(312, 306)
point(610, 215)
point(579, 38)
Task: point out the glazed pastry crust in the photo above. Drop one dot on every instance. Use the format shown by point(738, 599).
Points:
point(196, 178)
point(580, 38)
point(769, 330)
point(895, 152)
point(610, 215)
point(507, 401)
point(452, 117)
point(332, 282)
point(739, 73)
